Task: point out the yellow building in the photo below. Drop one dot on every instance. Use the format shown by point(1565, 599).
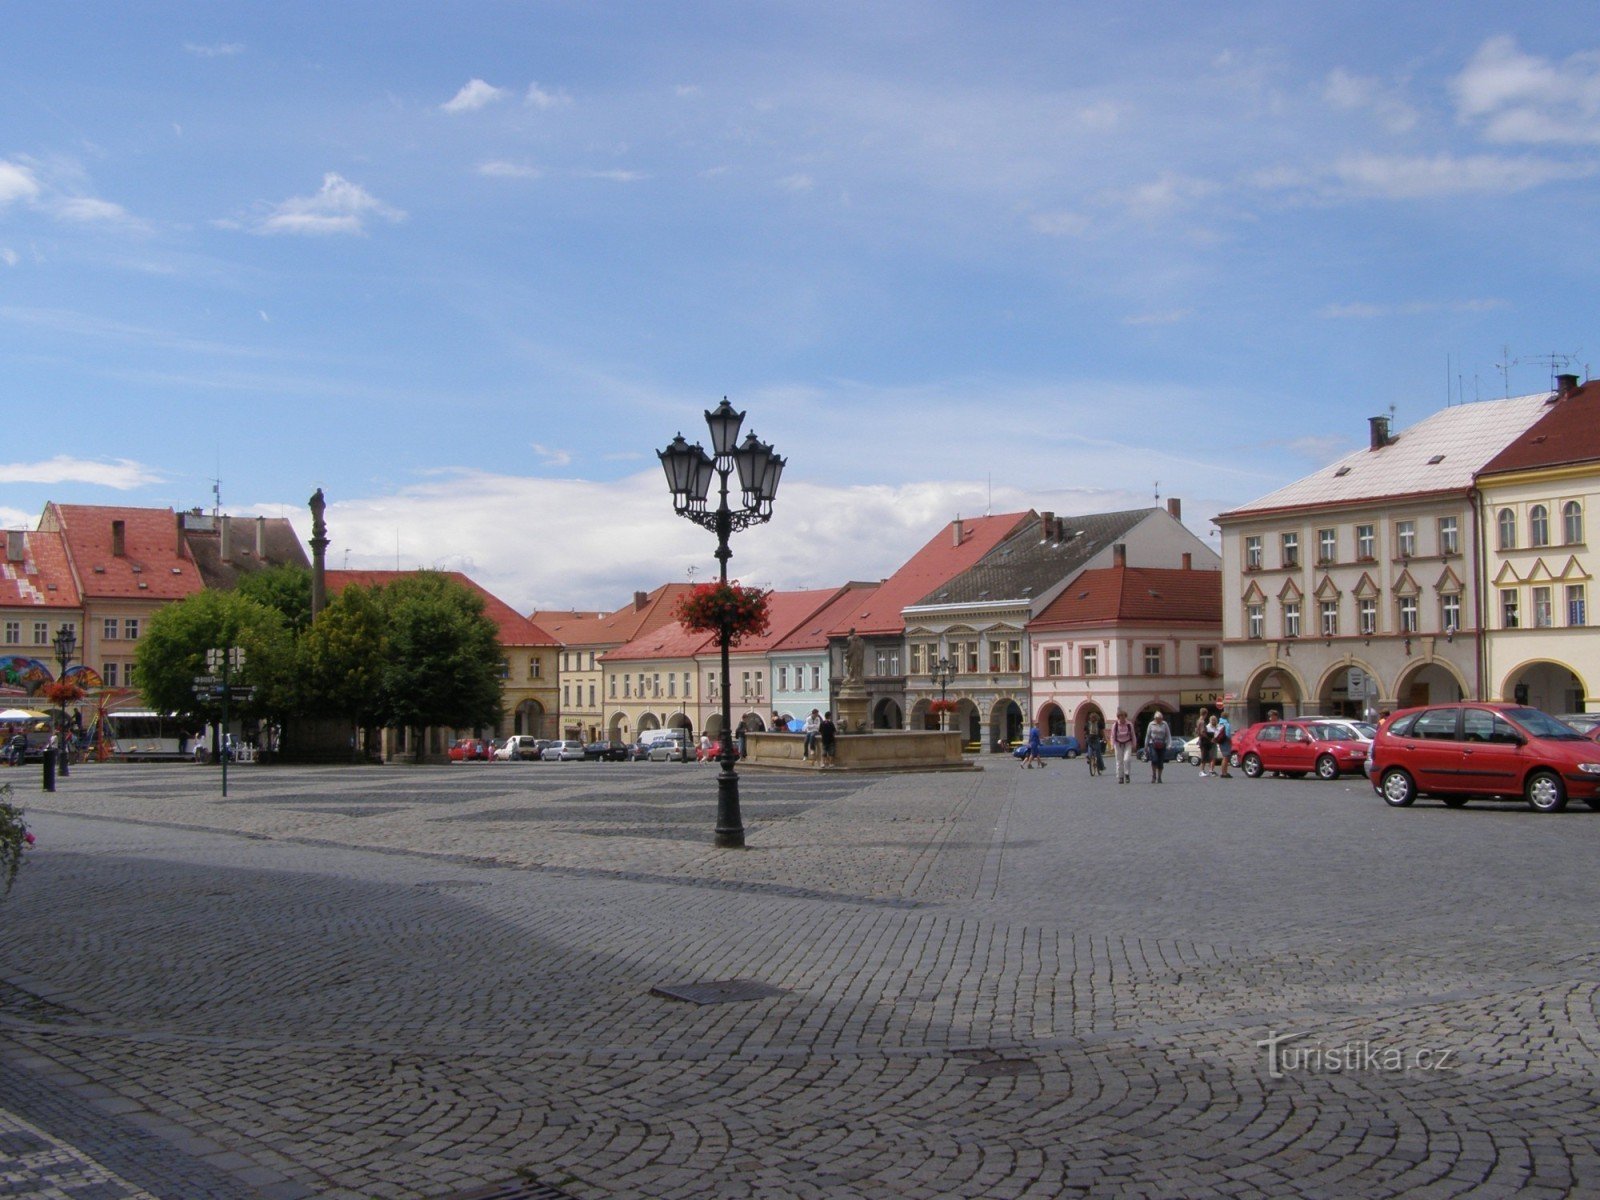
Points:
point(1537, 499)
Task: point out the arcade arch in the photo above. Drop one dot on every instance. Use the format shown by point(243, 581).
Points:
point(1540, 683)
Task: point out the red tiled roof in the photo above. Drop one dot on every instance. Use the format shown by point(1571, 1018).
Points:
point(1136, 595)
point(649, 611)
point(786, 612)
point(878, 611)
point(1568, 433)
point(812, 633)
point(152, 565)
point(42, 578)
point(513, 629)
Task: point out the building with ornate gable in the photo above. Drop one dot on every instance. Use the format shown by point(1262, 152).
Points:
point(1353, 590)
point(1539, 497)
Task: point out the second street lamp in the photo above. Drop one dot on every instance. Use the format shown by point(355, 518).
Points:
point(689, 471)
point(65, 642)
point(940, 678)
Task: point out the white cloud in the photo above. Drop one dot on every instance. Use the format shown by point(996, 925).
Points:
point(17, 182)
point(1060, 224)
point(501, 169)
point(123, 474)
point(538, 97)
point(615, 175)
point(1160, 198)
point(9, 256)
point(1412, 177)
point(551, 456)
point(339, 207)
point(1347, 91)
point(215, 50)
point(1413, 308)
point(1522, 98)
point(86, 210)
point(1173, 316)
point(473, 96)
point(799, 182)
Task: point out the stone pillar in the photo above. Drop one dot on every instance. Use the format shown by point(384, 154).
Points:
point(319, 555)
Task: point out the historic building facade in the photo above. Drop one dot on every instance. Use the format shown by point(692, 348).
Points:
point(1352, 590)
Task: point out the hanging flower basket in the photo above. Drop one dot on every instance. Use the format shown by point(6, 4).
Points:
point(936, 707)
point(708, 607)
point(62, 692)
point(15, 839)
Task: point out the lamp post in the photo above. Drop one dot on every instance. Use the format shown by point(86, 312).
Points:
point(65, 642)
point(940, 678)
point(689, 470)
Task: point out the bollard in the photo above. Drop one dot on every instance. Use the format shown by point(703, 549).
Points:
point(49, 771)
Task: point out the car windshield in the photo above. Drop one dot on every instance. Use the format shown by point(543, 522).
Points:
point(1366, 730)
point(1542, 724)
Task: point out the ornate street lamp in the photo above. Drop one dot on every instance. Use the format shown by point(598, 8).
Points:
point(940, 678)
point(689, 470)
point(65, 642)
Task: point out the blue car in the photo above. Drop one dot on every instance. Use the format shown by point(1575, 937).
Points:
point(1177, 748)
point(1061, 745)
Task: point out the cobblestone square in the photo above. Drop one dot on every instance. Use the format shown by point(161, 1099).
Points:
point(407, 983)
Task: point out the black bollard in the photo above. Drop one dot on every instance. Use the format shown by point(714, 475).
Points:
point(49, 770)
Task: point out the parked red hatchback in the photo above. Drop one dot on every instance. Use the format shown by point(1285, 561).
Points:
point(1296, 748)
point(1456, 751)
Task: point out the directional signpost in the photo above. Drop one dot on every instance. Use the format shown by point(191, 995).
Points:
point(216, 686)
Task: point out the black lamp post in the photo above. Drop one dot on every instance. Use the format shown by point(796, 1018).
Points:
point(689, 470)
point(65, 642)
point(940, 678)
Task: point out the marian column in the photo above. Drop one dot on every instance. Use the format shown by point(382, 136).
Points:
point(319, 554)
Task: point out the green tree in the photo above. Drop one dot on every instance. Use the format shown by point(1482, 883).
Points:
point(442, 657)
point(286, 588)
point(342, 658)
point(173, 651)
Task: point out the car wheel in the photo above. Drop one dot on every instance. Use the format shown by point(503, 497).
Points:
point(1399, 789)
point(1251, 765)
point(1327, 768)
point(1454, 801)
point(1546, 792)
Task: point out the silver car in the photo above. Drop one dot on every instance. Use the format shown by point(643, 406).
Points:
point(566, 750)
point(670, 750)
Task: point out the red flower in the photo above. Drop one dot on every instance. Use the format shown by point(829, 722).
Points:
point(708, 607)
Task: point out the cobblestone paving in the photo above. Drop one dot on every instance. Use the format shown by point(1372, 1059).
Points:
point(409, 982)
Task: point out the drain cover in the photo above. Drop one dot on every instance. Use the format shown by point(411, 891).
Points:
point(720, 991)
point(513, 1189)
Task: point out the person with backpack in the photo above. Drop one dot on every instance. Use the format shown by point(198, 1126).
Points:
point(1224, 745)
point(1123, 739)
point(1157, 741)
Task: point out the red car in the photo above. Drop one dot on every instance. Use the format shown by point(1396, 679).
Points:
point(1296, 748)
point(1457, 751)
point(471, 749)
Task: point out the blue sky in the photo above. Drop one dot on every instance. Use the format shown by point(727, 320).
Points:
point(467, 266)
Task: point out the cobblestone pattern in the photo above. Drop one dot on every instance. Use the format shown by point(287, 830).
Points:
point(403, 983)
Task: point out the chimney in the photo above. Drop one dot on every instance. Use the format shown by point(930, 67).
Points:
point(640, 599)
point(183, 542)
point(1188, 561)
point(119, 538)
point(1565, 386)
point(1047, 526)
point(1119, 554)
point(227, 538)
point(1175, 508)
point(1380, 432)
point(16, 545)
point(1061, 529)
point(261, 539)
point(957, 532)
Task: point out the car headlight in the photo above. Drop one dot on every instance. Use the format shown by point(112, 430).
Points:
point(1589, 768)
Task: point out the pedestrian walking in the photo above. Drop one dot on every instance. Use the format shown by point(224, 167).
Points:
point(1157, 740)
point(1123, 739)
point(1224, 745)
point(1203, 731)
point(1030, 756)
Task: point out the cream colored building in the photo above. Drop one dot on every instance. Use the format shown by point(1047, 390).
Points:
point(1539, 499)
point(1352, 590)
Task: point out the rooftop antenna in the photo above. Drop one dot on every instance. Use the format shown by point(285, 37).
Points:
point(1158, 489)
point(1555, 362)
point(988, 510)
point(216, 496)
point(1505, 364)
point(692, 569)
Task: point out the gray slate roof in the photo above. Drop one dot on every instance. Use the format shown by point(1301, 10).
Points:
point(1027, 566)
